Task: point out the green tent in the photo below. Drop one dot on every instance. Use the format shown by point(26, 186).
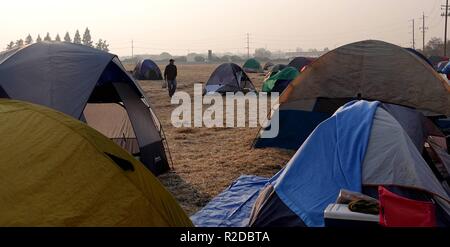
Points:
point(252, 66)
point(279, 81)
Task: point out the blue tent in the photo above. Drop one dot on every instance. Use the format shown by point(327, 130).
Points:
point(294, 128)
point(335, 150)
point(147, 70)
point(345, 135)
point(362, 146)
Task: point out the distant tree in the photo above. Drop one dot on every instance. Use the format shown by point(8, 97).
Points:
point(77, 38)
point(99, 44)
point(236, 59)
point(38, 39)
point(165, 56)
point(181, 59)
point(47, 37)
point(87, 39)
point(199, 59)
point(326, 49)
point(10, 45)
point(262, 53)
point(28, 40)
point(105, 46)
point(57, 38)
point(67, 38)
point(225, 59)
point(214, 58)
point(434, 47)
point(102, 45)
point(19, 43)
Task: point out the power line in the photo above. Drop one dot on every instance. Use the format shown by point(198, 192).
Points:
point(433, 8)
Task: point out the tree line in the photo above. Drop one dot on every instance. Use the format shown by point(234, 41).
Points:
point(77, 39)
point(435, 47)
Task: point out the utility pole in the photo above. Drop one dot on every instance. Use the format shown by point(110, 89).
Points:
point(132, 49)
point(445, 31)
point(413, 34)
point(248, 45)
point(424, 28)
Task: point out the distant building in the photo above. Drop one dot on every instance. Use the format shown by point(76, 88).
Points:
point(304, 54)
point(190, 58)
point(209, 55)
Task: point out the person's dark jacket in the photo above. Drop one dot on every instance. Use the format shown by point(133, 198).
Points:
point(170, 72)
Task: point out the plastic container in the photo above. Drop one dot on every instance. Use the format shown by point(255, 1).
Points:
point(338, 215)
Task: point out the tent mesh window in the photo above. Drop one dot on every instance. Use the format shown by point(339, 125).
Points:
point(111, 119)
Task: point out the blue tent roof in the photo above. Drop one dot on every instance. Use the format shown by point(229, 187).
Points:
point(294, 128)
point(147, 70)
point(336, 150)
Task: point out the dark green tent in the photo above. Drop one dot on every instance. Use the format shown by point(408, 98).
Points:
point(252, 66)
point(279, 81)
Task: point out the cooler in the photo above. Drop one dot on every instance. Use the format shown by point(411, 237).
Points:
point(338, 215)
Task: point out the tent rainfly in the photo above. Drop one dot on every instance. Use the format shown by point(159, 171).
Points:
point(89, 85)
point(57, 171)
point(147, 70)
point(371, 70)
point(228, 77)
point(252, 66)
point(362, 146)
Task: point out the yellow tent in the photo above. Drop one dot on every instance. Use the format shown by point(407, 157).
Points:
point(57, 171)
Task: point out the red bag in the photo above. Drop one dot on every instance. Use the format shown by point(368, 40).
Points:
point(397, 211)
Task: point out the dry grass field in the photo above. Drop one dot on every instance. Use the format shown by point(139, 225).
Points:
point(207, 160)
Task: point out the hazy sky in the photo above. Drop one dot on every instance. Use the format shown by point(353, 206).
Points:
point(179, 26)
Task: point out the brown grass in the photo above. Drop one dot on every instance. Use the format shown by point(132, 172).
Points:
point(207, 160)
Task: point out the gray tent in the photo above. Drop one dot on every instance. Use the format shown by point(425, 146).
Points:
point(90, 85)
point(228, 77)
point(372, 70)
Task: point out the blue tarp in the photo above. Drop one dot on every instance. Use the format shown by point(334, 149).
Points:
point(231, 208)
point(329, 160)
point(295, 127)
point(446, 69)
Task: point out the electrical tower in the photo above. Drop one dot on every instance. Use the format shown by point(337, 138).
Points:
point(413, 34)
point(446, 14)
point(424, 29)
point(248, 45)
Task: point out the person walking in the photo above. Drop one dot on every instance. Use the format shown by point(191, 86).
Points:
point(170, 76)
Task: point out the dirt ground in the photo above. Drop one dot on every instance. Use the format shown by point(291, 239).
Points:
point(207, 160)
